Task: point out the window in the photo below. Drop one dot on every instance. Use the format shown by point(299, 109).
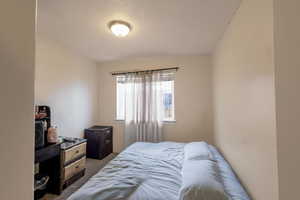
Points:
point(120, 100)
point(167, 100)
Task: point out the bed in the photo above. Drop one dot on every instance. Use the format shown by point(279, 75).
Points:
point(164, 171)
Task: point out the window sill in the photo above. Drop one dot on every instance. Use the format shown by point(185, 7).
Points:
point(164, 121)
point(169, 121)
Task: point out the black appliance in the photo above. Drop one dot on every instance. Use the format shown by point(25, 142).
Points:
point(42, 123)
point(99, 141)
point(39, 134)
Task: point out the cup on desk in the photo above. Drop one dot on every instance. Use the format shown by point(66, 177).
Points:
point(52, 135)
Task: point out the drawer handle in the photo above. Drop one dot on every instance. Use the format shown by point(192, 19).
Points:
point(77, 151)
point(77, 167)
point(107, 141)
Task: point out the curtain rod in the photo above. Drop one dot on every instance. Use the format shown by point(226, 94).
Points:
point(144, 71)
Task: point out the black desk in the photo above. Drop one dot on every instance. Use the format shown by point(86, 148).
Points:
point(48, 158)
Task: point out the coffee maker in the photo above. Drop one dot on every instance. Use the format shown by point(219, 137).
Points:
point(42, 124)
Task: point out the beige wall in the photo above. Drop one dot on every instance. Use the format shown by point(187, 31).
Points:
point(17, 32)
point(193, 96)
point(244, 98)
point(287, 81)
point(67, 83)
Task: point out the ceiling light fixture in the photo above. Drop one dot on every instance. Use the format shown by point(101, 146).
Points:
point(119, 28)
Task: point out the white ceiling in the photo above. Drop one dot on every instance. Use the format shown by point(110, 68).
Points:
point(160, 27)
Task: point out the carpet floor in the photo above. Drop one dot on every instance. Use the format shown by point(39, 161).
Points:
point(92, 167)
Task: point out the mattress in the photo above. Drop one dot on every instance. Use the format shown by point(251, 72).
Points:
point(149, 171)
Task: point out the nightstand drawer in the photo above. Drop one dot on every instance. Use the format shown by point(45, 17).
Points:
point(74, 168)
point(74, 152)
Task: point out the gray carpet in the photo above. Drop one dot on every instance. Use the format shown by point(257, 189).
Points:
point(92, 167)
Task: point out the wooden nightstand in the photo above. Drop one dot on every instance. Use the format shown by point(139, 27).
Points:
point(73, 157)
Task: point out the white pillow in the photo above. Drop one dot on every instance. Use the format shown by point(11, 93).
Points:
point(200, 181)
point(197, 151)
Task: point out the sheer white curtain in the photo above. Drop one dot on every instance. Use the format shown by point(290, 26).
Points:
point(144, 106)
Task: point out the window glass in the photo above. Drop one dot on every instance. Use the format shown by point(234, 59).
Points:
point(167, 100)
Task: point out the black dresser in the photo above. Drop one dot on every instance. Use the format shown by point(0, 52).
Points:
point(99, 141)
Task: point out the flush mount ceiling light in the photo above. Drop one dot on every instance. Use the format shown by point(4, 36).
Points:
point(119, 28)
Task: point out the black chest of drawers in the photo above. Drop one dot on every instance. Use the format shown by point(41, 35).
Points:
point(99, 141)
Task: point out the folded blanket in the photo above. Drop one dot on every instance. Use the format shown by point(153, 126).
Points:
point(232, 185)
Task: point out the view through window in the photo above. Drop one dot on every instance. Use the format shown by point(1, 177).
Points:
point(167, 100)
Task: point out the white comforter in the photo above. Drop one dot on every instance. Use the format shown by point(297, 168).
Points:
point(144, 171)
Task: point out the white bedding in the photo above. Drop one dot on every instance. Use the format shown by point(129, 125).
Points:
point(144, 171)
point(149, 171)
